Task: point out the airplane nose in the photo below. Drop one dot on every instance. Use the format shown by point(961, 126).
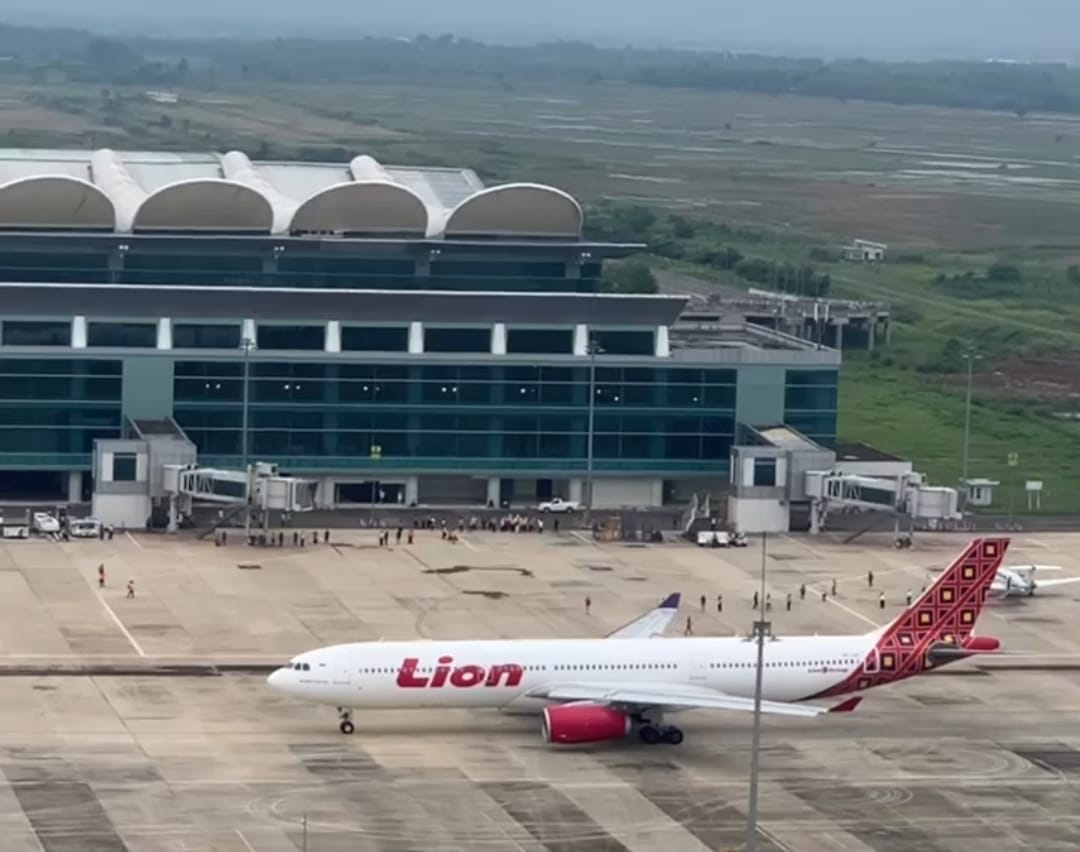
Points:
point(276, 679)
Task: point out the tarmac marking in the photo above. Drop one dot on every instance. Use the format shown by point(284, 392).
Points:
point(244, 840)
point(465, 541)
point(793, 540)
point(120, 624)
point(583, 537)
point(133, 540)
point(851, 611)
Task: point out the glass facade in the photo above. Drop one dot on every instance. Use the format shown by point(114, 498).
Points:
point(36, 333)
point(539, 341)
point(810, 400)
point(270, 263)
point(52, 409)
point(128, 335)
point(458, 416)
point(200, 335)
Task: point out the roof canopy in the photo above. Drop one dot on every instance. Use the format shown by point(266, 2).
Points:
point(205, 204)
point(55, 201)
point(127, 191)
point(362, 207)
point(516, 209)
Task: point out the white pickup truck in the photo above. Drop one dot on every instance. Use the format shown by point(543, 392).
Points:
point(45, 523)
point(557, 504)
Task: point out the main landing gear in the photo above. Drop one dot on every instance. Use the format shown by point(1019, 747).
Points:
point(346, 725)
point(652, 733)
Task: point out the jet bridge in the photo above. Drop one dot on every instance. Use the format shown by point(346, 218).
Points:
point(775, 469)
point(904, 495)
point(260, 487)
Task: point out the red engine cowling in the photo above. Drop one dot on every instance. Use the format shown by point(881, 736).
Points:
point(583, 723)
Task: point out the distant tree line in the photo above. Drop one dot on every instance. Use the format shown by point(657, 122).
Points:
point(81, 55)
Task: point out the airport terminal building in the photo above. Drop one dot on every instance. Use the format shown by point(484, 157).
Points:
point(398, 333)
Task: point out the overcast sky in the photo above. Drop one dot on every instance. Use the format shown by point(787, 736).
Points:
point(874, 28)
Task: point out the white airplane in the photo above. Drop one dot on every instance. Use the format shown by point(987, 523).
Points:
point(590, 690)
point(1012, 581)
point(1017, 580)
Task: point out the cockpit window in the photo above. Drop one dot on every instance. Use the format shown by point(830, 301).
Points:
point(300, 667)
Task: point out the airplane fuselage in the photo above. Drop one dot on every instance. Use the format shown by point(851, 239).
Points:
point(500, 674)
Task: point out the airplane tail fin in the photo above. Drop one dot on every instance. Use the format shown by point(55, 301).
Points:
point(948, 609)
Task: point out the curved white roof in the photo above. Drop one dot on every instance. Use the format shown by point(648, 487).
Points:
point(55, 201)
point(516, 209)
point(362, 207)
point(236, 166)
point(177, 191)
point(205, 204)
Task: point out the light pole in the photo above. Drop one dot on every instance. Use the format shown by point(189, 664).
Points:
point(971, 357)
point(593, 349)
point(761, 626)
point(246, 344)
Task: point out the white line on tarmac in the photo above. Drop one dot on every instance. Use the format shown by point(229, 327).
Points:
point(133, 540)
point(244, 840)
point(851, 611)
point(583, 537)
point(120, 624)
point(793, 540)
point(465, 541)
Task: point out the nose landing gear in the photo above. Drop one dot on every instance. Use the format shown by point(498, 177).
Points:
point(346, 726)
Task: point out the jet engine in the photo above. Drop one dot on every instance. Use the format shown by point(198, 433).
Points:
point(583, 723)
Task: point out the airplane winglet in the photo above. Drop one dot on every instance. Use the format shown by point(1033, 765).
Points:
point(670, 602)
point(847, 706)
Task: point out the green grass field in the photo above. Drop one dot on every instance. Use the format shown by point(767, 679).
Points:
point(905, 413)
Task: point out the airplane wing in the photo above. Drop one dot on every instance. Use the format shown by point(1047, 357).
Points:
point(652, 623)
point(636, 697)
point(1063, 581)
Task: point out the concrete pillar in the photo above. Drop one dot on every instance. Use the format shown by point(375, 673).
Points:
point(871, 333)
point(78, 332)
point(493, 491)
point(164, 333)
point(581, 339)
point(663, 342)
point(74, 488)
point(333, 336)
point(412, 490)
point(248, 330)
point(888, 331)
point(498, 339)
point(839, 336)
point(416, 338)
point(576, 491)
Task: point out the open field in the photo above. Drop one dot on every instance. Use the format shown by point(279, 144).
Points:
point(907, 175)
point(115, 751)
point(926, 422)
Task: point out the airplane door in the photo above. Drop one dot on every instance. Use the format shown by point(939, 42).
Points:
point(698, 672)
point(871, 665)
point(341, 671)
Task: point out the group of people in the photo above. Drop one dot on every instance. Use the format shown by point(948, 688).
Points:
point(300, 538)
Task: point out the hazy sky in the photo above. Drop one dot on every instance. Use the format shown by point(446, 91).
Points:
point(885, 28)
